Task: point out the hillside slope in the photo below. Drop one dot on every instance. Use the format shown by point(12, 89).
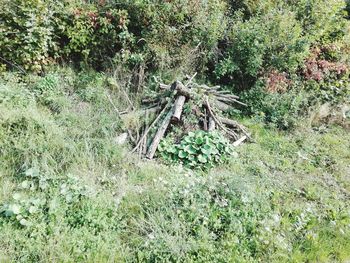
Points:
point(68, 193)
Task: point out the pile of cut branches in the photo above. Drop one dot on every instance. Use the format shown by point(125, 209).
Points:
point(187, 107)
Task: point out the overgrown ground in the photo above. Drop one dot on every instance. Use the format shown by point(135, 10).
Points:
point(70, 194)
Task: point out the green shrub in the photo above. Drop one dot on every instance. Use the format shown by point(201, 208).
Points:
point(323, 22)
point(27, 33)
point(197, 150)
point(256, 45)
point(164, 35)
point(278, 36)
point(282, 110)
point(92, 33)
point(176, 34)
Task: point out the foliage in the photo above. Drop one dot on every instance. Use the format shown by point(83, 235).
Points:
point(105, 32)
point(277, 35)
point(93, 33)
point(27, 34)
point(323, 22)
point(198, 149)
point(175, 35)
point(259, 44)
point(69, 193)
point(282, 110)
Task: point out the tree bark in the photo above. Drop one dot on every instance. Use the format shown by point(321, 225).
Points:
point(159, 135)
point(178, 106)
point(222, 105)
point(181, 89)
point(211, 126)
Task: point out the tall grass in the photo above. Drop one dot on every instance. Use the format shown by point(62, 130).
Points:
point(69, 193)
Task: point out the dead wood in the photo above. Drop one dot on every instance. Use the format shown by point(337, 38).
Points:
point(190, 79)
point(205, 120)
point(207, 113)
point(231, 100)
point(235, 125)
point(239, 141)
point(150, 127)
point(222, 105)
point(178, 106)
point(159, 135)
point(181, 89)
point(228, 132)
point(211, 125)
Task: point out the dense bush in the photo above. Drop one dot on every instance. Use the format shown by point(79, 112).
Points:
point(258, 44)
point(282, 110)
point(27, 33)
point(175, 34)
point(92, 33)
point(277, 36)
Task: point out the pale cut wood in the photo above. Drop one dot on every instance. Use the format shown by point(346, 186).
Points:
point(149, 128)
point(159, 135)
point(211, 126)
point(205, 122)
point(178, 106)
point(239, 141)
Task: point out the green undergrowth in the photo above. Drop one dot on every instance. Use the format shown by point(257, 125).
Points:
point(68, 193)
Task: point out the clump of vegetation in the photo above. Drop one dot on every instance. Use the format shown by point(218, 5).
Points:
point(198, 149)
point(71, 192)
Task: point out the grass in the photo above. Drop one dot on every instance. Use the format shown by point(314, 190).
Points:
point(72, 195)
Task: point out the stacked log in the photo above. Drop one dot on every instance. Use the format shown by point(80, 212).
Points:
point(213, 102)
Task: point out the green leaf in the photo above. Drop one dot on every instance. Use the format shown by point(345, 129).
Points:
point(199, 140)
point(33, 209)
point(13, 209)
point(16, 196)
point(191, 134)
point(202, 158)
point(205, 151)
point(24, 222)
point(183, 154)
point(190, 149)
point(25, 184)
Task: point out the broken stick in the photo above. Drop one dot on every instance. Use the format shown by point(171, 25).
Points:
point(149, 128)
point(159, 135)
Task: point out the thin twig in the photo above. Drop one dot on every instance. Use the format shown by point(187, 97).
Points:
point(190, 80)
point(115, 108)
point(13, 65)
point(127, 96)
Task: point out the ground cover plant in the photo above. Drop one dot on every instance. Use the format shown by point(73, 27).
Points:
point(70, 193)
point(248, 159)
